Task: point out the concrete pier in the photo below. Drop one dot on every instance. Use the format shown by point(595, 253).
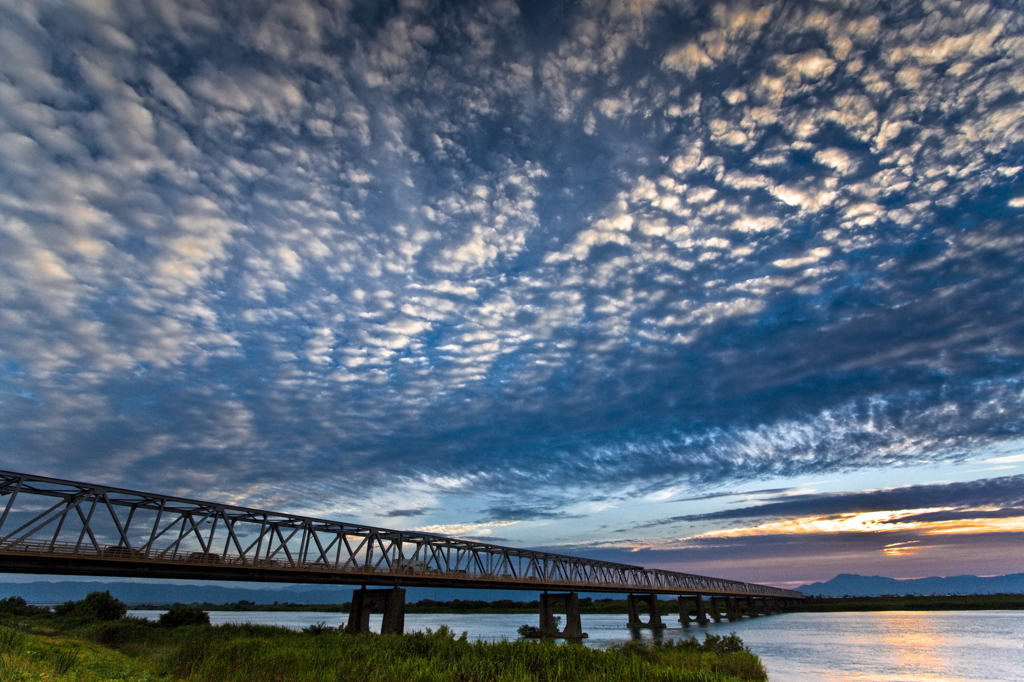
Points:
point(716, 610)
point(700, 616)
point(684, 611)
point(654, 622)
point(573, 625)
point(391, 601)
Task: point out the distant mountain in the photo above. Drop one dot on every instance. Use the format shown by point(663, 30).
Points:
point(847, 584)
point(159, 592)
point(169, 593)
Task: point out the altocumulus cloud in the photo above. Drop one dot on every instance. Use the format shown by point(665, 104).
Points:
point(566, 250)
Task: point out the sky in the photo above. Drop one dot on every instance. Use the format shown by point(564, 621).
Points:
point(725, 288)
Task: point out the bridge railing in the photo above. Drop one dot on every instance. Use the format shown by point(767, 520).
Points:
point(57, 518)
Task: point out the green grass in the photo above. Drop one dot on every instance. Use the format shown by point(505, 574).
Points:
point(58, 658)
point(238, 656)
point(131, 650)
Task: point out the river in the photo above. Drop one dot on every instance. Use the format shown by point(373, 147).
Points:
point(886, 646)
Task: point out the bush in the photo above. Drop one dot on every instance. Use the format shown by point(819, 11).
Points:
point(723, 645)
point(528, 631)
point(95, 606)
point(180, 615)
point(17, 606)
point(123, 632)
point(320, 628)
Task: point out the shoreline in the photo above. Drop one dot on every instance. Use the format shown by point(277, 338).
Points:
point(995, 602)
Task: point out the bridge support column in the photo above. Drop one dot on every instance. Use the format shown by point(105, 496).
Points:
point(573, 625)
point(391, 601)
point(716, 610)
point(684, 611)
point(654, 622)
point(702, 617)
point(751, 607)
point(732, 608)
point(634, 617)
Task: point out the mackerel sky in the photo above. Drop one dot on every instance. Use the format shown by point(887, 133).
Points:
point(729, 288)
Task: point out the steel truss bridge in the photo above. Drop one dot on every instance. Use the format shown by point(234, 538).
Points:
point(54, 526)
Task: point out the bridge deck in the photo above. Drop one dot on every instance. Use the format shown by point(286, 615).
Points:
point(65, 527)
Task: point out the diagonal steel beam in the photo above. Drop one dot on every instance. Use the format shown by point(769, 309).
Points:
point(379, 552)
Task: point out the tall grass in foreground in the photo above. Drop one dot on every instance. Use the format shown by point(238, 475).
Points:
point(439, 656)
point(133, 650)
point(47, 658)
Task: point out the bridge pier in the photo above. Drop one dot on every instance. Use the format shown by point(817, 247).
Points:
point(573, 625)
point(716, 610)
point(700, 616)
point(393, 603)
point(684, 611)
point(654, 622)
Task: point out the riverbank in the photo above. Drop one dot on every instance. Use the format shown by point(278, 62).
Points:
point(966, 602)
point(94, 643)
point(978, 602)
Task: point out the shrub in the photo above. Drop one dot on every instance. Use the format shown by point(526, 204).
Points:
point(95, 606)
point(320, 628)
point(528, 631)
point(15, 607)
point(122, 632)
point(723, 645)
point(180, 614)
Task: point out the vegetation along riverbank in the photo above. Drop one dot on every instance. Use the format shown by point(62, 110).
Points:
point(949, 602)
point(93, 641)
point(587, 605)
point(977, 602)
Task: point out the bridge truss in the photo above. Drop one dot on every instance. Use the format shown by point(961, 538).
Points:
point(50, 525)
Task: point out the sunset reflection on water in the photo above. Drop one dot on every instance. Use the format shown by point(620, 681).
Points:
point(914, 643)
point(893, 646)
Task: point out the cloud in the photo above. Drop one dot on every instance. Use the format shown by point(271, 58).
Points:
point(419, 511)
point(460, 529)
point(792, 560)
point(503, 513)
point(532, 255)
point(746, 493)
point(993, 505)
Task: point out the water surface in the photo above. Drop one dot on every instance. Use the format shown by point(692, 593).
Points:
point(886, 646)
